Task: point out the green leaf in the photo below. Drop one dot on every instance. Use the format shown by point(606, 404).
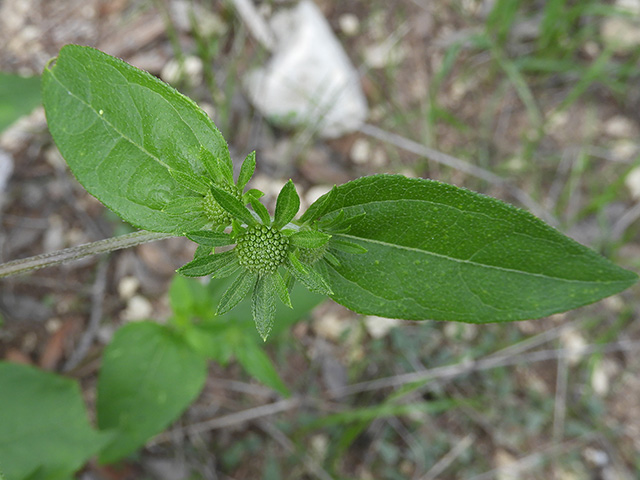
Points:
point(339, 223)
point(258, 364)
point(320, 206)
point(209, 238)
point(193, 183)
point(261, 210)
point(232, 205)
point(18, 96)
point(149, 376)
point(246, 170)
point(281, 289)
point(255, 193)
point(309, 239)
point(263, 305)
point(307, 276)
point(44, 424)
point(347, 246)
point(218, 265)
point(287, 205)
point(212, 166)
point(121, 130)
point(439, 252)
point(189, 297)
point(239, 289)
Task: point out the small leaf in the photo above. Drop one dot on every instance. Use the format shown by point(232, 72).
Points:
point(193, 183)
point(347, 246)
point(287, 205)
point(210, 163)
point(220, 170)
point(263, 306)
point(307, 276)
point(217, 265)
point(246, 171)
point(331, 258)
point(202, 251)
point(289, 280)
point(254, 192)
point(281, 289)
point(341, 223)
point(258, 364)
point(209, 238)
point(320, 206)
point(239, 289)
point(232, 205)
point(261, 210)
point(309, 239)
point(149, 376)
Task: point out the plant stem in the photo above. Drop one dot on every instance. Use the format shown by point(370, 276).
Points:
point(23, 265)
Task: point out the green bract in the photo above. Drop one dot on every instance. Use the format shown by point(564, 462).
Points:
point(384, 245)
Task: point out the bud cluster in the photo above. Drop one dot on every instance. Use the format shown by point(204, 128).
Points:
point(213, 210)
point(261, 249)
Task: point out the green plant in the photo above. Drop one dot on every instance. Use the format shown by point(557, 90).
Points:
point(150, 373)
point(383, 245)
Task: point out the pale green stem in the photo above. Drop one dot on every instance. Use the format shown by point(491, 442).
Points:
point(23, 265)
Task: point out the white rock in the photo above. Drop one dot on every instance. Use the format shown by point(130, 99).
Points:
point(621, 34)
point(190, 70)
point(349, 24)
point(309, 80)
point(379, 327)
point(633, 182)
point(620, 126)
point(330, 326)
point(128, 287)
point(596, 457)
point(632, 6)
point(138, 308)
point(575, 345)
point(360, 151)
point(384, 54)
point(600, 381)
point(624, 150)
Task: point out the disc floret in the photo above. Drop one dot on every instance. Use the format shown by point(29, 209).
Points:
point(261, 249)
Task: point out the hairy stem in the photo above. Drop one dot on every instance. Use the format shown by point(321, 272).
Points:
point(23, 265)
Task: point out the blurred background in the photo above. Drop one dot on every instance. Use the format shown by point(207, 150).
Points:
point(533, 102)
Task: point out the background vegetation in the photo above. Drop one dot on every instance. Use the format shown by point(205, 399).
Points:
point(542, 94)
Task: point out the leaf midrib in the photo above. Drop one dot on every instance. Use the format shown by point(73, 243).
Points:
point(476, 264)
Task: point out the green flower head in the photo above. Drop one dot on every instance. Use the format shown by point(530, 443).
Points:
point(270, 253)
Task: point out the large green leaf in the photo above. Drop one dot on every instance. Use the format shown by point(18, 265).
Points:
point(44, 429)
point(149, 376)
point(121, 131)
point(435, 251)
